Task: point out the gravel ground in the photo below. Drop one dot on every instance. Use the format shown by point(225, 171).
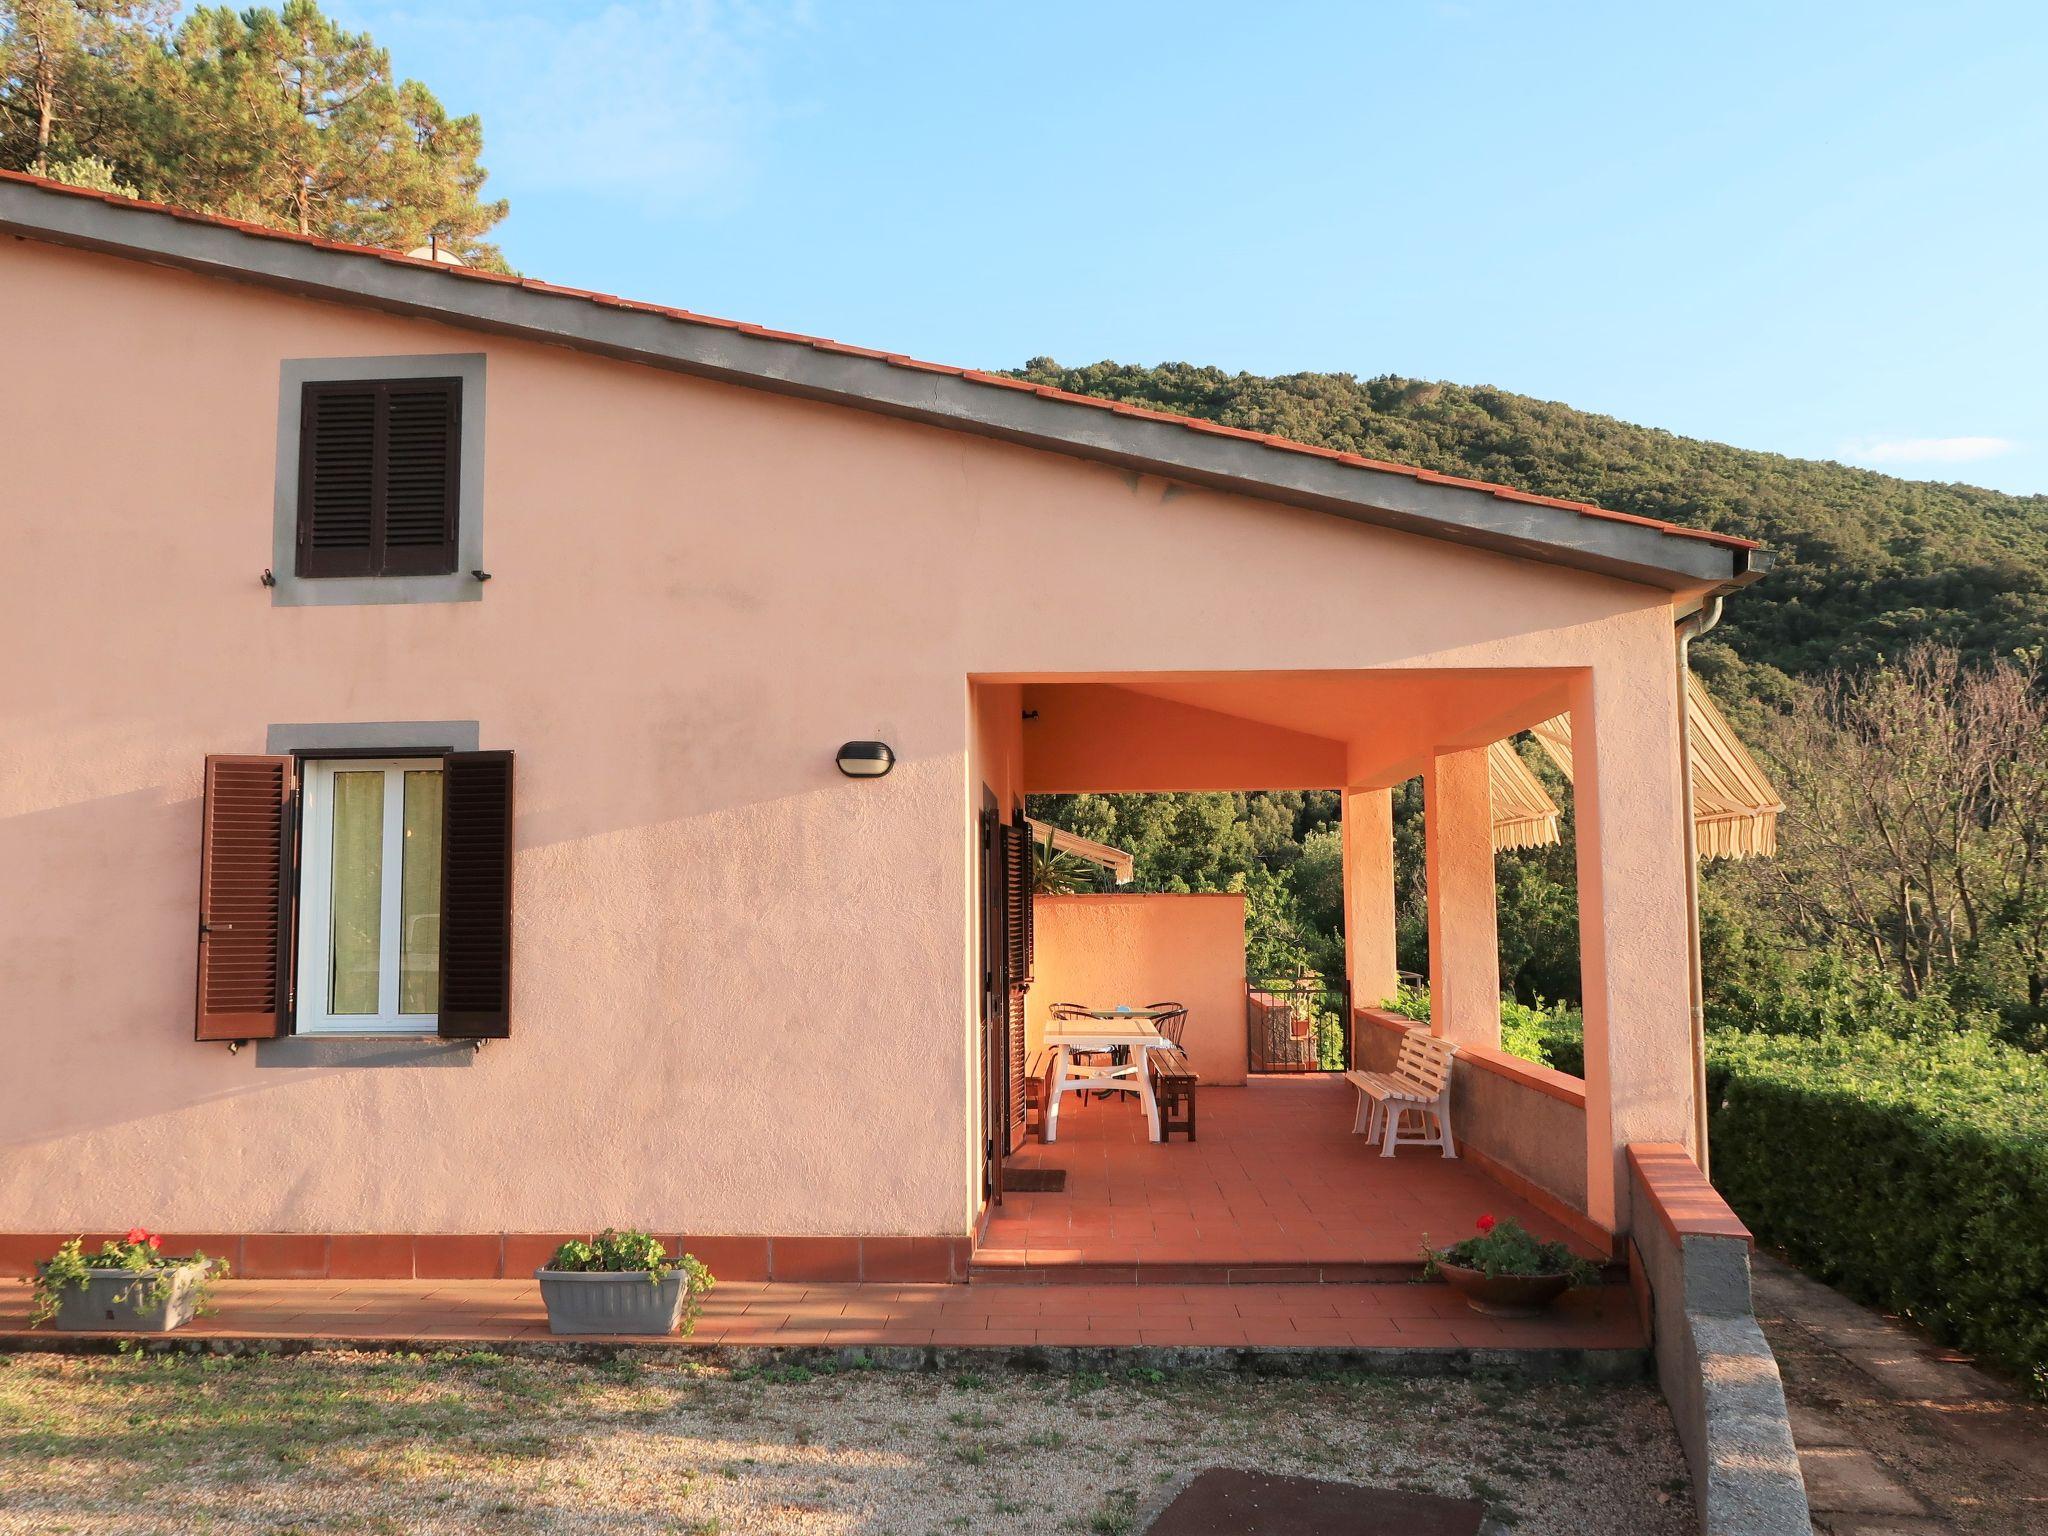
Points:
point(337, 1442)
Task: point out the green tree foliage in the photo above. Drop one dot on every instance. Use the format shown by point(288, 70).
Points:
point(1279, 849)
point(60, 66)
point(278, 117)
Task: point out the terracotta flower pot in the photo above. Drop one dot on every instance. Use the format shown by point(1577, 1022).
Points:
point(1504, 1295)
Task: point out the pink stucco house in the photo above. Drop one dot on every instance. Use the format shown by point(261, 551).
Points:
point(421, 834)
point(308, 547)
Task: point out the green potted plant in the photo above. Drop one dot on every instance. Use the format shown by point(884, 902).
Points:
point(621, 1282)
point(1505, 1270)
point(129, 1286)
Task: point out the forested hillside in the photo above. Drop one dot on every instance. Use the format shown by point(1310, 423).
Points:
point(1866, 562)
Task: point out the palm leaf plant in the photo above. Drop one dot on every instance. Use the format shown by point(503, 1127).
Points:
point(1054, 873)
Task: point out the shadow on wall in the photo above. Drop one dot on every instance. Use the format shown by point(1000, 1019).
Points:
point(691, 927)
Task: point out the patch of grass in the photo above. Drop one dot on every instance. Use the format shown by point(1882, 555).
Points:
point(1117, 1515)
point(1488, 1493)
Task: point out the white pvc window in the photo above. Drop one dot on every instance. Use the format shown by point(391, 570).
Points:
point(370, 897)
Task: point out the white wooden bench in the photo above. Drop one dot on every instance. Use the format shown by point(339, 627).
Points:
point(1419, 1087)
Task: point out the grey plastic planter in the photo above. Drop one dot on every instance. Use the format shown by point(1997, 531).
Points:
point(111, 1301)
point(581, 1302)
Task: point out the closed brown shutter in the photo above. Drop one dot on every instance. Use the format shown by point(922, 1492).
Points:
point(244, 899)
point(476, 896)
point(422, 437)
point(379, 467)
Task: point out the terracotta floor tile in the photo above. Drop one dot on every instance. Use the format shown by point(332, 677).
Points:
point(1306, 1190)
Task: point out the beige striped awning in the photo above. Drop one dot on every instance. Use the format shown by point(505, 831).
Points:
point(1524, 815)
point(1735, 808)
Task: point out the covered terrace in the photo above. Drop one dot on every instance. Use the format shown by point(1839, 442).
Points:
point(1276, 1184)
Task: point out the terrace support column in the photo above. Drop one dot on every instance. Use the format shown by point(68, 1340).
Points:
point(1464, 941)
point(1633, 933)
point(1367, 825)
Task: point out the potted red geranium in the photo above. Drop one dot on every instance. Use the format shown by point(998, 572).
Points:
point(129, 1286)
point(1505, 1270)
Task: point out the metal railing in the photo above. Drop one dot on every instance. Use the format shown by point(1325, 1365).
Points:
point(1297, 1023)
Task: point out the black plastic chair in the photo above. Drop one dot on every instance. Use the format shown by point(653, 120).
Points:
point(1172, 1024)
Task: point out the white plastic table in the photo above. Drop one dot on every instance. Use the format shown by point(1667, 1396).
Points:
point(1102, 1029)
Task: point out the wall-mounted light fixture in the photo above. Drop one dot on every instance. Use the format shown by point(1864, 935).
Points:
point(866, 759)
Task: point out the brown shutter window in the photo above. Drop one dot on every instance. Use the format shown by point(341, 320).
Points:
point(245, 899)
point(476, 896)
point(1030, 864)
point(379, 477)
point(1017, 901)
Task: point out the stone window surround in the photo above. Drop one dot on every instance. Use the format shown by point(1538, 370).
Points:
point(459, 586)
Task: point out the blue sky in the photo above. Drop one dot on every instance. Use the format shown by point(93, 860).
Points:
point(1817, 229)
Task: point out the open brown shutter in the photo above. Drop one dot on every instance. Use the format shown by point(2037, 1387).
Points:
point(244, 899)
point(1017, 902)
point(379, 462)
point(1030, 902)
point(476, 896)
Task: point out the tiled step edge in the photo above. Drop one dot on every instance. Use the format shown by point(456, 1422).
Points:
point(1015, 1269)
point(1008, 1270)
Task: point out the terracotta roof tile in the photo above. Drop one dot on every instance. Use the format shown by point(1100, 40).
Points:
point(894, 359)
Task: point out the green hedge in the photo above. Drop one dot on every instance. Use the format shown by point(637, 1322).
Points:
point(1910, 1173)
point(1549, 1034)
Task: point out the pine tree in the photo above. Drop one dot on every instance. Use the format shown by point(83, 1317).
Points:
point(279, 117)
point(57, 58)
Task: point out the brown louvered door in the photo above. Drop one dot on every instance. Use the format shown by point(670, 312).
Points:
point(476, 896)
point(379, 465)
point(244, 899)
point(994, 1077)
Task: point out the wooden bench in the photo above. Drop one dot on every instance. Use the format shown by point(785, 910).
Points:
point(1173, 1086)
point(1419, 1086)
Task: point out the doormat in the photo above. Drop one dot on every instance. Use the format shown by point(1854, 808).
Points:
point(1224, 1502)
point(1035, 1181)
